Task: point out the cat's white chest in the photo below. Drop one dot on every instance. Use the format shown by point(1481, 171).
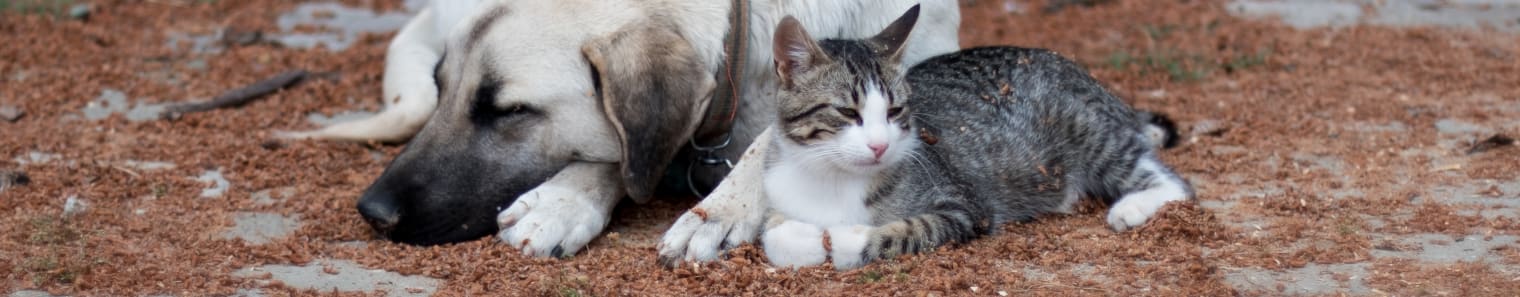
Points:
point(816, 196)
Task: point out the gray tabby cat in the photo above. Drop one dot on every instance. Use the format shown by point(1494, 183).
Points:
point(889, 163)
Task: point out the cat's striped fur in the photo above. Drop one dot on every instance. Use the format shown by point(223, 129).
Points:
point(992, 135)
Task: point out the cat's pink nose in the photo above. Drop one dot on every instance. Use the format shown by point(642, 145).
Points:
point(878, 149)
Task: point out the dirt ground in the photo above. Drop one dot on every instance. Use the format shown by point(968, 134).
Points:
point(1354, 157)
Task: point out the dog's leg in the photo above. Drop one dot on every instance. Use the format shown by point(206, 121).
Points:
point(731, 215)
point(560, 216)
point(409, 92)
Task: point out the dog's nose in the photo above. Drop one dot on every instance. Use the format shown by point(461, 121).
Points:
point(379, 209)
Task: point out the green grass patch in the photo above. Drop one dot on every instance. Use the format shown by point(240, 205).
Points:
point(1158, 32)
point(870, 276)
point(160, 190)
point(1158, 58)
point(64, 258)
point(62, 266)
point(42, 7)
point(565, 284)
point(1176, 65)
point(51, 230)
point(1241, 62)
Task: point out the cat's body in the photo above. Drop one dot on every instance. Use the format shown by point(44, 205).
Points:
point(973, 140)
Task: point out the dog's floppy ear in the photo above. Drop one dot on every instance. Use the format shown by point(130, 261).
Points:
point(795, 51)
point(896, 34)
point(650, 82)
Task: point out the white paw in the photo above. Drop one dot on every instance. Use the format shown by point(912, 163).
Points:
point(731, 215)
point(848, 245)
point(1127, 214)
point(705, 231)
point(553, 221)
point(1135, 208)
point(794, 244)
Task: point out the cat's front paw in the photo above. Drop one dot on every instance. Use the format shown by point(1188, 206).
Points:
point(794, 244)
point(848, 246)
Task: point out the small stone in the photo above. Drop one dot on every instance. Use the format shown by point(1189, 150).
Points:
point(218, 183)
point(1213, 128)
point(147, 112)
point(80, 11)
point(148, 165)
point(74, 205)
point(256, 228)
point(1158, 93)
point(30, 293)
point(110, 101)
point(196, 64)
point(273, 196)
point(11, 113)
point(1455, 126)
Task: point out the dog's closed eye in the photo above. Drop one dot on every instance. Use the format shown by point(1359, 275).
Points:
point(489, 114)
point(486, 112)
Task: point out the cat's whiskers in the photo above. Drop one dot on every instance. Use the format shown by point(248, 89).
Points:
point(924, 119)
point(917, 157)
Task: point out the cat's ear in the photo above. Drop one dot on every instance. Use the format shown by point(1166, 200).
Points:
point(795, 51)
point(895, 37)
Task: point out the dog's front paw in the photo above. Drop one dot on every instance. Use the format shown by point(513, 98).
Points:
point(553, 221)
point(848, 246)
point(794, 244)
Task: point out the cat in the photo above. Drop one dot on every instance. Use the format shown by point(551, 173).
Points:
point(871, 162)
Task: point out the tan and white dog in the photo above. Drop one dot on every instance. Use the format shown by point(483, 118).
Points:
point(531, 119)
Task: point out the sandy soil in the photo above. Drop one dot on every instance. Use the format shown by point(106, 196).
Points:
point(1328, 161)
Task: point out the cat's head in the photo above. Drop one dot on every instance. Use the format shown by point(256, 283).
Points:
point(845, 101)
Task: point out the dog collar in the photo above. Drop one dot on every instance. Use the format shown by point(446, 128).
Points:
point(713, 134)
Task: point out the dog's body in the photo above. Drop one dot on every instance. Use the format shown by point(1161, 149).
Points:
point(542, 114)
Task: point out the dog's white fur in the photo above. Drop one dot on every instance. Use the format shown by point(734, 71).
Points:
point(409, 98)
point(563, 212)
point(550, 72)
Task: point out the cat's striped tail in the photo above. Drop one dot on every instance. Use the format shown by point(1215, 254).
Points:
point(946, 223)
point(1159, 128)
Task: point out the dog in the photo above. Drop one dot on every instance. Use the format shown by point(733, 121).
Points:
point(532, 119)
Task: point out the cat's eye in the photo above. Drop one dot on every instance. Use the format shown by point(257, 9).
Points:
point(819, 133)
point(848, 112)
point(893, 112)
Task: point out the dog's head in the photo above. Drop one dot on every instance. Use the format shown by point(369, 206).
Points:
point(523, 92)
